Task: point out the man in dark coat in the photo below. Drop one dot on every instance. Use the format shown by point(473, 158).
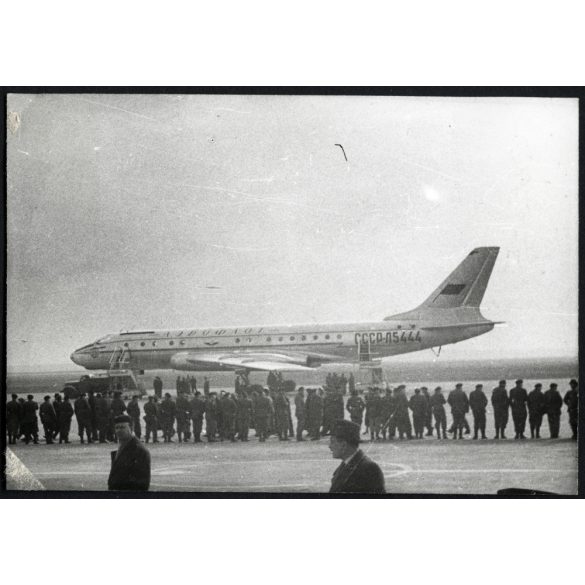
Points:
point(183, 413)
point(133, 410)
point(328, 412)
point(102, 411)
point(338, 408)
point(553, 405)
point(571, 399)
point(438, 402)
point(244, 416)
point(110, 434)
point(211, 416)
point(83, 415)
point(118, 405)
point(389, 420)
point(459, 404)
point(157, 386)
point(355, 406)
point(314, 413)
point(418, 405)
point(262, 412)
point(91, 401)
point(501, 404)
point(48, 419)
point(429, 412)
point(478, 402)
point(357, 472)
point(401, 415)
point(197, 409)
point(13, 415)
point(281, 406)
point(65, 416)
point(300, 413)
point(57, 405)
point(151, 420)
point(518, 399)
point(229, 409)
point(375, 413)
point(131, 462)
point(536, 410)
point(168, 412)
point(29, 425)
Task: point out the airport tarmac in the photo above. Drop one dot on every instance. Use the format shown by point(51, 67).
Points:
point(419, 466)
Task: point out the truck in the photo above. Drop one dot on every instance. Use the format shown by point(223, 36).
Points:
point(113, 380)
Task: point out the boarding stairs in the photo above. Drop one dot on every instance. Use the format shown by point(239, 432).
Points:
point(119, 360)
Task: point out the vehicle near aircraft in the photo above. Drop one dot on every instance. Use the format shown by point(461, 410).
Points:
point(105, 382)
point(449, 315)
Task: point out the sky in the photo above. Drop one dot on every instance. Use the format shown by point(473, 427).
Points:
point(168, 211)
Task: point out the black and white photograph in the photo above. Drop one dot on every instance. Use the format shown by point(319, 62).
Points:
point(276, 293)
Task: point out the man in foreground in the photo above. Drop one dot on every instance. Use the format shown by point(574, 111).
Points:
point(357, 472)
point(131, 462)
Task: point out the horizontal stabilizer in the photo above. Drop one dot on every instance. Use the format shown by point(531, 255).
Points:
point(459, 325)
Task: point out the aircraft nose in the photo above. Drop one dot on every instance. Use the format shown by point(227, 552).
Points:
point(77, 358)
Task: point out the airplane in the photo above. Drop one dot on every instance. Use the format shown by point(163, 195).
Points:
point(449, 315)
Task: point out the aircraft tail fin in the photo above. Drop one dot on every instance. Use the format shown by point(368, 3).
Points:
point(465, 286)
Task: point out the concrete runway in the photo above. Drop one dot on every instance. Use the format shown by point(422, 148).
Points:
point(417, 466)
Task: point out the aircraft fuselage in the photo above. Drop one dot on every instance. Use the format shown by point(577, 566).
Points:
point(350, 342)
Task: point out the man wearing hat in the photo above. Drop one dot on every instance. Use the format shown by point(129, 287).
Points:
point(13, 416)
point(49, 419)
point(131, 462)
point(571, 399)
point(478, 403)
point(357, 472)
point(553, 404)
point(459, 404)
point(501, 404)
point(518, 400)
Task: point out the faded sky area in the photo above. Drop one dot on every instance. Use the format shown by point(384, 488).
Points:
point(124, 209)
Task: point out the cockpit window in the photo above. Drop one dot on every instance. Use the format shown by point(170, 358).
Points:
point(86, 346)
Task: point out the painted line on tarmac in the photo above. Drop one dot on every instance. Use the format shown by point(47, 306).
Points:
point(240, 461)
point(58, 473)
point(224, 488)
point(493, 470)
point(402, 469)
point(19, 476)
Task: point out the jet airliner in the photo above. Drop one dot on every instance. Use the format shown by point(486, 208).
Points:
point(449, 315)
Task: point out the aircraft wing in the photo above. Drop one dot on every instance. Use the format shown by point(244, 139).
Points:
point(244, 360)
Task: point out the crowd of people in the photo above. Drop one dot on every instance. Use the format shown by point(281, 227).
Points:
point(386, 413)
